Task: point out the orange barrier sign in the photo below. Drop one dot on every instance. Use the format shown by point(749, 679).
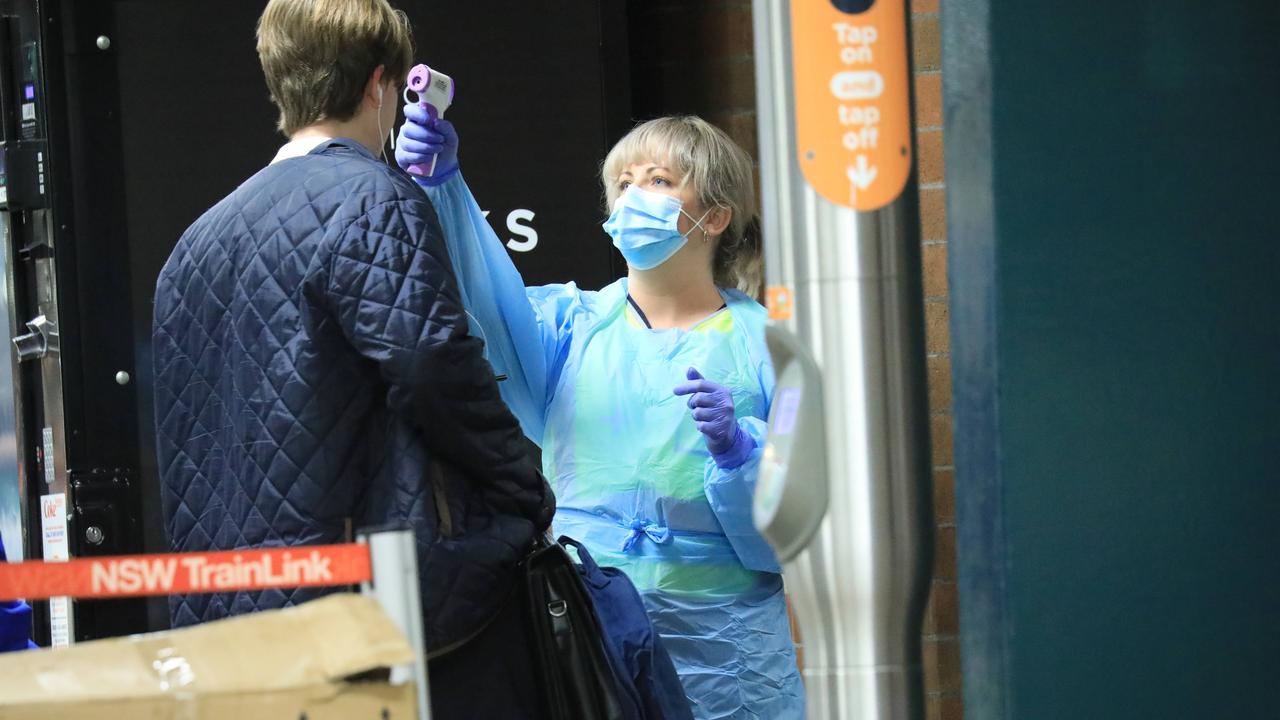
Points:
point(853, 113)
point(133, 575)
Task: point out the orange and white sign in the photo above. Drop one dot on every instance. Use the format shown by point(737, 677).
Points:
point(853, 110)
point(53, 527)
point(780, 302)
point(55, 548)
point(133, 575)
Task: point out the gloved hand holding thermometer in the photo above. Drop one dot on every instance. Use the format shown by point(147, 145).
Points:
point(427, 94)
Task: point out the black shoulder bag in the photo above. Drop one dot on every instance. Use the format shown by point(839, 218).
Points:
point(578, 682)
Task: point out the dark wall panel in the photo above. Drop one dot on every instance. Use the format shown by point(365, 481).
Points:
point(1111, 180)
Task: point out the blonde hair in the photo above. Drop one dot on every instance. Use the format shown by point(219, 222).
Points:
point(317, 55)
point(720, 174)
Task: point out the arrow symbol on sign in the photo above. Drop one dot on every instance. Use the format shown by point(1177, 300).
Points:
point(861, 174)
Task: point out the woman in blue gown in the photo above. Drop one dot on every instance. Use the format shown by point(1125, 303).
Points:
point(649, 397)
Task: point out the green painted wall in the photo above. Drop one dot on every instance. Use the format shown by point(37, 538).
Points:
point(1114, 220)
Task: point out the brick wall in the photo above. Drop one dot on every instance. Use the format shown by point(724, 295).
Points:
point(695, 56)
point(942, 617)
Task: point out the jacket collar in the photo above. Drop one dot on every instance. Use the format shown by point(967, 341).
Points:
point(342, 142)
point(316, 146)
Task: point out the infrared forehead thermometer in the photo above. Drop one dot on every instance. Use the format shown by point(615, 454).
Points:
point(432, 91)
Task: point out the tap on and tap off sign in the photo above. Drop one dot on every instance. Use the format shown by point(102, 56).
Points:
point(853, 115)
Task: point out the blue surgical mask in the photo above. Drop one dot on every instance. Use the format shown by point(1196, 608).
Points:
point(644, 227)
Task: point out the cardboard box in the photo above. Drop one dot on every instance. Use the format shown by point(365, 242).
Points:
point(327, 659)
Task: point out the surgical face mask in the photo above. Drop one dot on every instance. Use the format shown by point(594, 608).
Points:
point(644, 227)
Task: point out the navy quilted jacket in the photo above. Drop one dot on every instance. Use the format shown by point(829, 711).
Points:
point(314, 374)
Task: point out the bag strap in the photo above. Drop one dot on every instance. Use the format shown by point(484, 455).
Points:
point(578, 679)
point(584, 557)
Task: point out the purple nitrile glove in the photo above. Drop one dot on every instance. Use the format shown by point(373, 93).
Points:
point(421, 139)
point(712, 406)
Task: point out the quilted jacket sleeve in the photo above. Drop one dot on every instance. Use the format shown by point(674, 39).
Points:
point(391, 288)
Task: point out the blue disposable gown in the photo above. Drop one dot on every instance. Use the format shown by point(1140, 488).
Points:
point(634, 481)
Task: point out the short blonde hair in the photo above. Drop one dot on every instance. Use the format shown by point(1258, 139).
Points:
point(317, 55)
point(720, 174)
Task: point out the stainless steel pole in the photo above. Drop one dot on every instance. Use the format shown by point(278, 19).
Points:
point(852, 279)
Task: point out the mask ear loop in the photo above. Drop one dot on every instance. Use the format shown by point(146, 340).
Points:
point(706, 236)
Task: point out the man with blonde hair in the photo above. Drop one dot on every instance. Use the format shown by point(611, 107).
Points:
point(314, 372)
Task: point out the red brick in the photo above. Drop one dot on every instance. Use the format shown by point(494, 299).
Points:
point(929, 626)
point(944, 553)
point(940, 437)
point(937, 334)
point(933, 215)
point(948, 670)
point(929, 664)
point(941, 665)
point(944, 707)
point(944, 601)
point(741, 126)
point(926, 43)
point(930, 162)
point(944, 495)
point(935, 271)
point(952, 707)
point(928, 100)
point(726, 32)
point(942, 613)
point(939, 370)
point(933, 707)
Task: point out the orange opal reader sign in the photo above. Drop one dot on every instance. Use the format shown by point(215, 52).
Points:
point(853, 114)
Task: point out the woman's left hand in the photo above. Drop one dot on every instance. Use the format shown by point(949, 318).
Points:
point(423, 141)
point(712, 406)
